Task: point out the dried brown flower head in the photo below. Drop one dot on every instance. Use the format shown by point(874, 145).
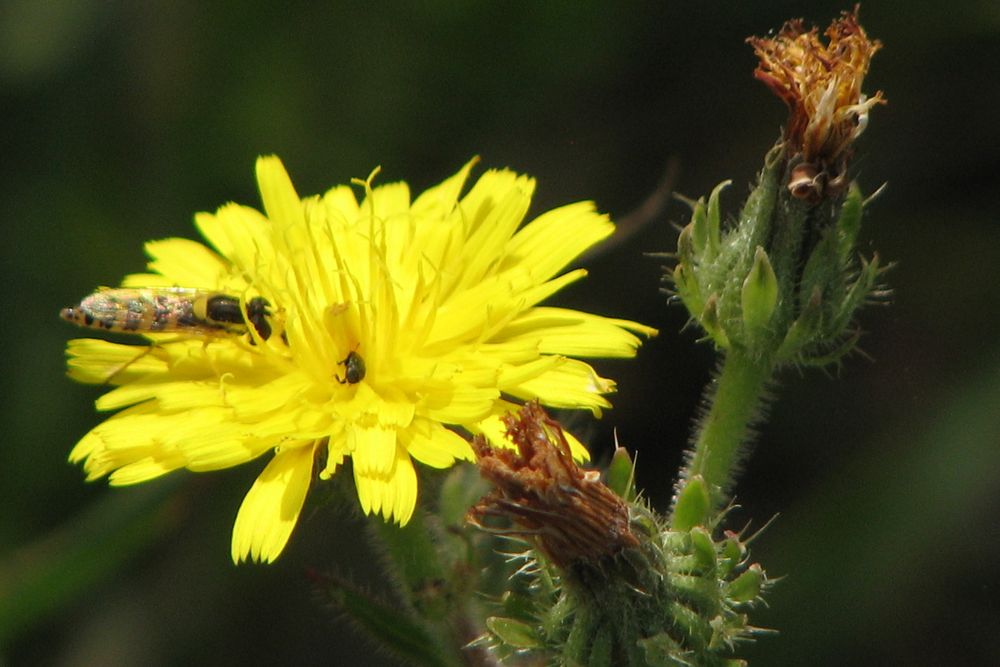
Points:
point(567, 512)
point(821, 84)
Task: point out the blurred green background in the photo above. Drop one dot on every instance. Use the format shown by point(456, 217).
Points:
point(121, 120)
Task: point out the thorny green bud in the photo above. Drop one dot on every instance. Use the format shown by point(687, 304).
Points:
point(610, 583)
point(782, 282)
point(793, 297)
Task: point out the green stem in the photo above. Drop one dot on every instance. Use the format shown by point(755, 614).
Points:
point(733, 405)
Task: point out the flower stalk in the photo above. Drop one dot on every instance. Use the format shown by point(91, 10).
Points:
point(780, 285)
point(734, 401)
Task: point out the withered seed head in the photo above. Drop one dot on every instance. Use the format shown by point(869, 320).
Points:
point(821, 84)
point(567, 512)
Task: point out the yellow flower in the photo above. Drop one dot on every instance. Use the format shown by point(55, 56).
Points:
point(394, 324)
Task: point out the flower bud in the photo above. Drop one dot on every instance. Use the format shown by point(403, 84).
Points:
point(781, 283)
point(609, 582)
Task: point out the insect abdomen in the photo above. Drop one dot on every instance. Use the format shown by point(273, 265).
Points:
point(139, 310)
point(165, 310)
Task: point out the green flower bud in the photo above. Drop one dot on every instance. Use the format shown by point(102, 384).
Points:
point(752, 285)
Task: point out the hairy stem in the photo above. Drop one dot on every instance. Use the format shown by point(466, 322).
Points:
point(734, 399)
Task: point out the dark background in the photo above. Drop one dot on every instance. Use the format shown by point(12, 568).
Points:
point(121, 120)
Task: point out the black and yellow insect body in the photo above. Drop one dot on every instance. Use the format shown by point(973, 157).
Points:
point(169, 310)
point(354, 369)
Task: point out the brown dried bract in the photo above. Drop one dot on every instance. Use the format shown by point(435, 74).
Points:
point(821, 84)
point(569, 514)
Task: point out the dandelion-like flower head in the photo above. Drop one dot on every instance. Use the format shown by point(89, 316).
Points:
point(436, 298)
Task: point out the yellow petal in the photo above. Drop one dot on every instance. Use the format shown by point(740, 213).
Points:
point(188, 263)
point(434, 445)
point(336, 452)
point(512, 376)
point(574, 333)
point(492, 187)
point(554, 239)
point(390, 201)
point(158, 463)
point(393, 495)
point(373, 449)
point(126, 448)
point(95, 361)
point(483, 248)
point(572, 384)
point(271, 507)
point(281, 202)
point(458, 405)
point(439, 201)
point(240, 234)
point(341, 205)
